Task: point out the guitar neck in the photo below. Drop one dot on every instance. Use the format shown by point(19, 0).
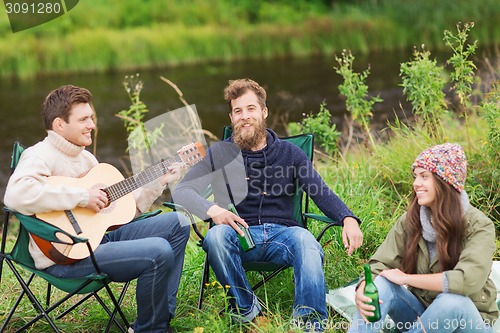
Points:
point(124, 187)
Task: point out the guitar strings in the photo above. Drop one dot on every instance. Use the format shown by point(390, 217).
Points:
point(151, 173)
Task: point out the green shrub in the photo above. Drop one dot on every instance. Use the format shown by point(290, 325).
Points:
point(423, 83)
point(326, 134)
point(355, 90)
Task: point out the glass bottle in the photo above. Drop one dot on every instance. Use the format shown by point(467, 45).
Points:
point(372, 292)
point(246, 241)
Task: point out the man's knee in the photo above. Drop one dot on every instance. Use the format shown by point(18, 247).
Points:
point(174, 223)
point(160, 251)
point(303, 240)
point(218, 236)
point(184, 222)
point(184, 230)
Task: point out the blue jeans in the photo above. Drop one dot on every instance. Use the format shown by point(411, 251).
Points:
point(290, 246)
point(447, 313)
point(149, 250)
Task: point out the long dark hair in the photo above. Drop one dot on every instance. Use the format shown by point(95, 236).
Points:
point(448, 222)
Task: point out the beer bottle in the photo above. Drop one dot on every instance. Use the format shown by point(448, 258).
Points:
point(246, 241)
point(372, 292)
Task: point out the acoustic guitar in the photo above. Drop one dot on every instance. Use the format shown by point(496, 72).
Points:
point(121, 209)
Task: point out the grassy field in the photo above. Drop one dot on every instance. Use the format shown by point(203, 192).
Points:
point(99, 36)
point(374, 181)
point(375, 187)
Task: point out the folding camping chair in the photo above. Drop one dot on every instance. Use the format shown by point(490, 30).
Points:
point(19, 259)
point(301, 214)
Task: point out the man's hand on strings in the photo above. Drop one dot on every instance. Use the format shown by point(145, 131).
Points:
point(173, 174)
point(98, 200)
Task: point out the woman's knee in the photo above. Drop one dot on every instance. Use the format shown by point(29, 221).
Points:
point(386, 289)
point(453, 302)
point(382, 282)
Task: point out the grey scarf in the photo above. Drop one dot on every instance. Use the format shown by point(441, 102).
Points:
point(428, 232)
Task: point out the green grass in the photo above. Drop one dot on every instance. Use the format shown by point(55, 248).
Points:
point(376, 187)
point(99, 36)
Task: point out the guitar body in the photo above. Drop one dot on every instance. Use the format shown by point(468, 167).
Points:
point(93, 225)
point(86, 223)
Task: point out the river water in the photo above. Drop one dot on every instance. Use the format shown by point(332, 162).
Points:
point(294, 86)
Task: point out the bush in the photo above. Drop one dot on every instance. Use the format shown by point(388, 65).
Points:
point(326, 134)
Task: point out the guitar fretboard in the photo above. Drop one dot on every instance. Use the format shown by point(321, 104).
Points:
point(124, 187)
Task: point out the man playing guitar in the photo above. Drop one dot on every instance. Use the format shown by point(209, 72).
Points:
point(149, 250)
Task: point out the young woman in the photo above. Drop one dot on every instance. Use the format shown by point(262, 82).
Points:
point(433, 268)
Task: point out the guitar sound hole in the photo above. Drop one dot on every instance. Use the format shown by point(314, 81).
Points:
point(111, 204)
point(108, 208)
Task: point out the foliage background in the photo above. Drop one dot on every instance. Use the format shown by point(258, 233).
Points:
point(108, 35)
point(374, 180)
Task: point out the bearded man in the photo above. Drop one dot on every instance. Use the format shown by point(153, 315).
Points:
point(258, 172)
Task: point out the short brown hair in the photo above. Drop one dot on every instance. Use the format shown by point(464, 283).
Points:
point(59, 102)
point(237, 88)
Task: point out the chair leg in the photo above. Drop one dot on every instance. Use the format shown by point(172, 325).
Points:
point(116, 304)
point(110, 294)
point(115, 310)
point(269, 277)
point(81, 301)
point(36, 304)
point(2, 258)
point(45, 312)
point(13, 310)
point(4, 241)
point(204, 281)
point(49, 293)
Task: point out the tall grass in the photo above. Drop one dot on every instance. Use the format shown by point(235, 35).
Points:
point(101, 36)
point(375, 187)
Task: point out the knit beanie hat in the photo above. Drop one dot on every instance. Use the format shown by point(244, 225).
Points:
point(447, 161)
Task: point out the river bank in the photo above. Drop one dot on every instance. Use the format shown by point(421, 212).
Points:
point(71, 45)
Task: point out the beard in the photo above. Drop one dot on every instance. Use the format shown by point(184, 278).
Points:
point(248, 140)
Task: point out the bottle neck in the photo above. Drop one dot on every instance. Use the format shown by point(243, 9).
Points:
point(368, 274)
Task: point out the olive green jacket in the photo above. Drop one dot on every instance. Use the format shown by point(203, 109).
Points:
point(470, 277)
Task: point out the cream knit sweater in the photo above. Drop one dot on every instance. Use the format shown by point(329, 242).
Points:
point(28, 192)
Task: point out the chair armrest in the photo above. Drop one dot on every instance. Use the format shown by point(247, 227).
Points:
point(46, 230)
point(147, 214)
point(173, 206)
point(322, 218)
point(330, 223)
point(176, 207)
